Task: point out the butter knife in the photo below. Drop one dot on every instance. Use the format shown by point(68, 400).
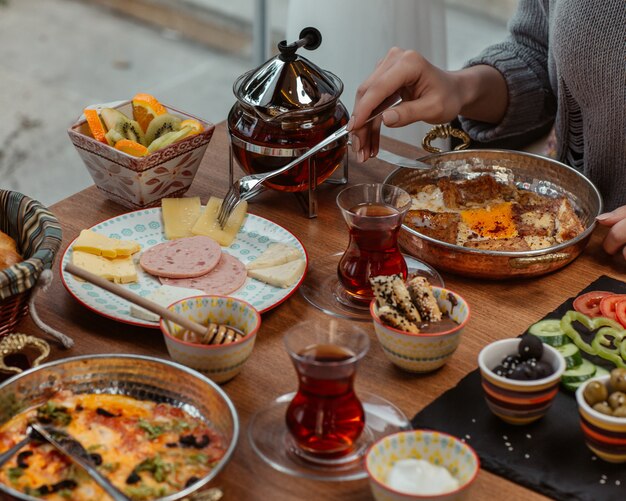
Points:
point(409, 163)
point(75, 451)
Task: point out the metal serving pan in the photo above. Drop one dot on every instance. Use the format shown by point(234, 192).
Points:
point(141, 377)
point(528, 171)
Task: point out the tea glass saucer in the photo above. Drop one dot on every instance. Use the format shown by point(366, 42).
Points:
point(272, 442)
point(322, 288)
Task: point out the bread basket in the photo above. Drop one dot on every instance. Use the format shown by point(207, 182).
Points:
point(38, 236)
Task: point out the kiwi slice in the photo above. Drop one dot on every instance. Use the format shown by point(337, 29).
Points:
point(129, 129)
point(168, 138)
point(112, 137)
point(161, 125)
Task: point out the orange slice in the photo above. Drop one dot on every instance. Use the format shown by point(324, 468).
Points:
point(196, 127)
point(145, 108)
point(131, 147)
point(95, 125)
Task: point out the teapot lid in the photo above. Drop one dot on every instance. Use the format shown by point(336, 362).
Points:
point(289, 82)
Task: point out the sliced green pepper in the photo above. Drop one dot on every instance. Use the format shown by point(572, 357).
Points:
point(592, 324)
point(607, 343)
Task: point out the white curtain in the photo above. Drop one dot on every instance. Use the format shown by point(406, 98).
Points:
point(358, 33)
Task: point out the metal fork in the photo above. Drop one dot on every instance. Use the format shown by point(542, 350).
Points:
point(249, 186)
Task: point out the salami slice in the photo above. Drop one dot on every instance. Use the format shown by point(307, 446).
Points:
point(182, 258)
point(226, 277)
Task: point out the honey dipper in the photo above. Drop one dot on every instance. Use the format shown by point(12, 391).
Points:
point(202, 331)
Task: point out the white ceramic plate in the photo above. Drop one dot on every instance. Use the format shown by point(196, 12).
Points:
point(146, 227)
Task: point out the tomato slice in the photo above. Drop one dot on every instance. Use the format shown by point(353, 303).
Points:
point(589, 303)
point(607, 305)
point(620, 312)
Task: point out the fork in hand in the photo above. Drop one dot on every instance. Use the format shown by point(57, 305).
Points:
point(249, 186)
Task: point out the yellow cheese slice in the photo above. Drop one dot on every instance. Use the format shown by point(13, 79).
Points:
point(120, 270)
point(283, 275)
point(275, 254)
point(207, 224)
point(100, 245)
point(179, 216)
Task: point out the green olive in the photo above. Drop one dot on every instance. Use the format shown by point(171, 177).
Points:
point(604, 408)
point(618, 379)
point(620, 411)
point(617, 399)
point(595, 392)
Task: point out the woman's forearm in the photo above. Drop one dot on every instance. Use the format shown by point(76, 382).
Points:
point(484, 93)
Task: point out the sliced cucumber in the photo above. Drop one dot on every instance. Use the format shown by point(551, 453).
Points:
point(549, 331)
point(571, 354)
point(601, 371)
point(586, 370)
point(572, 386)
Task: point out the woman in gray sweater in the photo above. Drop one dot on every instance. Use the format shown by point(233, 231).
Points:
point(563, 63)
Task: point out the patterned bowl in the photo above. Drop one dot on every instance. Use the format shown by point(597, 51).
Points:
point(513, 401)
point(438, 448)
point(423, 352)
point(138, 182)
point(604, 435)
point(220, 362)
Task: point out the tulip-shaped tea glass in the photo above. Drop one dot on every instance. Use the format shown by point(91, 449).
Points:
point(323, 430)
point(325, 417)
point(338, 284)
point(374, 214)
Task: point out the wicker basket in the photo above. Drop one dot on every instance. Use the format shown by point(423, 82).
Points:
point(38, 236)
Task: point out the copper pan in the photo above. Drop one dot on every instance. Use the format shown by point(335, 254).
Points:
point(528, 171)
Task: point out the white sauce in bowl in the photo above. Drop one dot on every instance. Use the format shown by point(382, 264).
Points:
point(416, 476)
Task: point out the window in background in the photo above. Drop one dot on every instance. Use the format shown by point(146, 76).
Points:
point(185, 52)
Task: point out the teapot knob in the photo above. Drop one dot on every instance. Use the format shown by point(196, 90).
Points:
point(310, 38)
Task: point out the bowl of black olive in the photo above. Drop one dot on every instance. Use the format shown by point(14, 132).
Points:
point(520, 378)
point(602, 410)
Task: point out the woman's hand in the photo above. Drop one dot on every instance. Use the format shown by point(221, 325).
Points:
point(428, 94)
point(615, 240)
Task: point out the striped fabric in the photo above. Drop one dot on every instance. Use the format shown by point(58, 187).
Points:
point(38, 236)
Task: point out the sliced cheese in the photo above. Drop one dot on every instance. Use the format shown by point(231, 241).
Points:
point(164, 296)
point(120, 270)
point(283, 275)
point(207, 223)
point(275, 254)
point(100, 245)
point(179, 216)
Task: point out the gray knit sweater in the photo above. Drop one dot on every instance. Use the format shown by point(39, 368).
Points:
point(565, 62)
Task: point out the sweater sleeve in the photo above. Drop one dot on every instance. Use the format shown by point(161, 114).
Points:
point(523, 61)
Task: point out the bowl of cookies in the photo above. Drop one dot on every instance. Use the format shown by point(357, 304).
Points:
point(140, 151)
point(419, 326)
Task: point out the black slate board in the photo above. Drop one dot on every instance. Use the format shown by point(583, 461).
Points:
point(548, 456)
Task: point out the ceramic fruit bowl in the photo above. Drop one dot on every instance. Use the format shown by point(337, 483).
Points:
point(220, 362)
point(139, 182)
point(427, 351)
point(514, 401)
point(438, 449)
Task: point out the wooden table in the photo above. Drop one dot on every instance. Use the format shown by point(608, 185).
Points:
point(499, 309)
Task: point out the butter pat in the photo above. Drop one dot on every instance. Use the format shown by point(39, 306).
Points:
point(120, 270)
point(100, 245)
point(283, 275)
point(276, 253)
point(163, 296)
point(207, 224)
point(179, 216)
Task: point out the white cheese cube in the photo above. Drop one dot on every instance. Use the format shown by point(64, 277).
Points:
point(164, 296)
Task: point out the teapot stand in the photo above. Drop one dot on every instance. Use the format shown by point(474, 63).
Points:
point(308, 197)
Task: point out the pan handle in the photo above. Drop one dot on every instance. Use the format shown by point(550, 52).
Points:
point(526, 262)
point(444, 131)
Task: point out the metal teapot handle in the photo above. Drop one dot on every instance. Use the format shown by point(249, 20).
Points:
point(444, 131)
